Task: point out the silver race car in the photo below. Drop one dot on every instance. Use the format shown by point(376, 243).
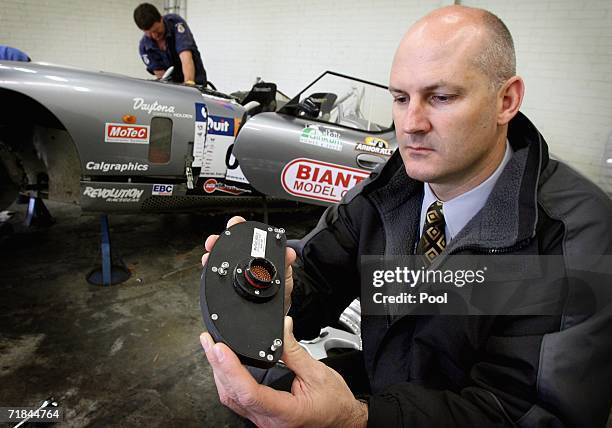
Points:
point(114, 143)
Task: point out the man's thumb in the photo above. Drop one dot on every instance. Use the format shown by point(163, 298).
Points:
point(294, 356)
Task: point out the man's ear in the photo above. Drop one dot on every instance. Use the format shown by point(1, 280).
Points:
point(509, 99)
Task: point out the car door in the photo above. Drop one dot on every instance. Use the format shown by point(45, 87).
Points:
point(325, 140)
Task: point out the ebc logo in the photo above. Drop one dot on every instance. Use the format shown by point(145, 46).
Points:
point(162, 190)
point(218, 125)
point(122, 133)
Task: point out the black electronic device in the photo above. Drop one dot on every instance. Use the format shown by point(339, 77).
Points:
point(242, 292)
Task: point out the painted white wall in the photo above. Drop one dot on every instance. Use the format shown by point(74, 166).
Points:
point(292, 42)
point(564, 52)
point(97, 35)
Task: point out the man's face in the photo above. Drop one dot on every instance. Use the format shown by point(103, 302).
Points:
point(444, 109)
point(157, 31)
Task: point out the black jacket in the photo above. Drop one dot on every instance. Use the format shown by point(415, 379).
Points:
point(470, 370)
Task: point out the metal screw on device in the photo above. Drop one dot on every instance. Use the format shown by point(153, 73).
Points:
point(278, 236)
point(270, 357)
point(227, 232)
point(214, 317)
point(225, 265)
point(262, 354)
point(221, 271)
point(277, 344)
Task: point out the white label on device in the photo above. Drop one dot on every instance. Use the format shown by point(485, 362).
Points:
point(258, 247)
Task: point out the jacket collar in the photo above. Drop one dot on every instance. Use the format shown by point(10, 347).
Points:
point(508, 217)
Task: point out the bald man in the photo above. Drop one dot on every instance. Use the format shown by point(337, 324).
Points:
point(474, 173)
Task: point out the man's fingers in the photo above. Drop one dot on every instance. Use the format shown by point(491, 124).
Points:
point(210, 242)
point(205, 259)
point(207, 343)
point(237, 388)
point(235, 220)
point(290, 256)
point(296, 357)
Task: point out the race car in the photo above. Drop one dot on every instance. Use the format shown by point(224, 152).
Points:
point(112, 143)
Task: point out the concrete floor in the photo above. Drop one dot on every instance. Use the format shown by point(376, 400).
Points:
point(126, 355)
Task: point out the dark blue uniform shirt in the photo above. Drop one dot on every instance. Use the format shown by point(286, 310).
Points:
point(178, 39)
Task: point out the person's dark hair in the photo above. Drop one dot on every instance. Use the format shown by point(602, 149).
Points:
point(497, 59)
point(145, 15)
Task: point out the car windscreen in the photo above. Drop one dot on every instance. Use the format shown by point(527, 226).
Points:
point(345, 101)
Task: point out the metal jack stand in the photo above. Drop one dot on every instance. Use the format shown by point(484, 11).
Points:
point(109, 273)
point(38, 214)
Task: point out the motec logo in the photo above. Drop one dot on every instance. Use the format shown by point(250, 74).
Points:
point(320, 180)
point(123, 133)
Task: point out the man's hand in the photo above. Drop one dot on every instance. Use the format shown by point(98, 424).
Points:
point(289, 259)
point(319, 396)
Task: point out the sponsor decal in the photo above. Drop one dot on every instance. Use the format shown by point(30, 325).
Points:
point(120, 167)
point(218, 125)
point(125, 133)
point(201, 113)
point(199, 134)
point(326, 138)
point(154, 107)
point(145, 59)
point(211, 185)
point(375, 145)
point(320, 180)
point(158, 109)
point(180, 27)
point(114, 194)
point(162, 190)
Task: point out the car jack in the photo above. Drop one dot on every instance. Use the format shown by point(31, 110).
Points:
point(109, 273)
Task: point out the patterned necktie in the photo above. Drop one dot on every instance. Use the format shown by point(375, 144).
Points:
point(433, 240)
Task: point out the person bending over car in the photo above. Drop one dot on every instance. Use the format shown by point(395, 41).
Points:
point(474, 172)
point(168, 42)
